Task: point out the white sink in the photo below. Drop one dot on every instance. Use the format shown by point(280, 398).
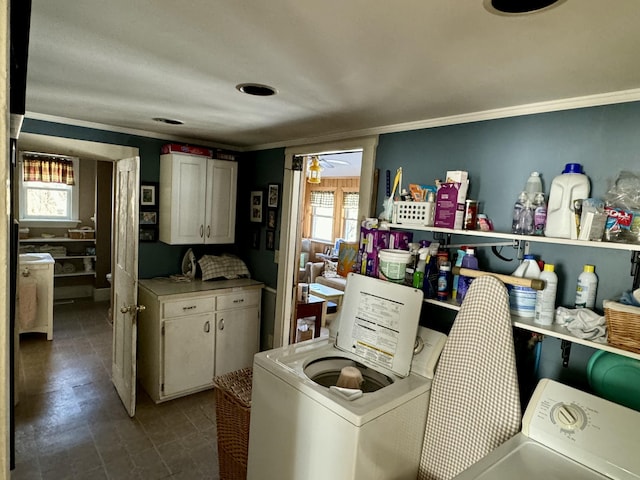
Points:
point(31, 258)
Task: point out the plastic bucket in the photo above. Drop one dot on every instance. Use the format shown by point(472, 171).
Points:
point(393, 265)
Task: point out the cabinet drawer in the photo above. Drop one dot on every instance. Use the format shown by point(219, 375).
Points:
point(191, 306)
point(239, 300)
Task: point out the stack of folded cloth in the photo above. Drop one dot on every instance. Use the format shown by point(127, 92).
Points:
point(57, 268)
point(583, 323)
point(68, 267)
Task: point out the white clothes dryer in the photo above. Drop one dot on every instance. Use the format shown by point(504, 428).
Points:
point(566, 434)
point(302, 427)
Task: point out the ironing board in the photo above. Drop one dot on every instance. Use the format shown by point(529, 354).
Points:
point(475, 402)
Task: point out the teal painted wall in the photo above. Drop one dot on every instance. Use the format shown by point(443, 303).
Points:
point(499, 155)
point(258, 170)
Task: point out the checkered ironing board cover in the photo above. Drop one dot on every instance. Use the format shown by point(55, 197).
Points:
point(475, 402)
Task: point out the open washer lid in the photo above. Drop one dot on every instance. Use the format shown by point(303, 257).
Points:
point(379, 322)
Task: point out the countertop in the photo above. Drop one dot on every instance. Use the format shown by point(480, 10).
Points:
point(35, 258)
point(165, 286)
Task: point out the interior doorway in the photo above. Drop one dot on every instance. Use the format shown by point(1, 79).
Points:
point(104, 154)
point(296, 169)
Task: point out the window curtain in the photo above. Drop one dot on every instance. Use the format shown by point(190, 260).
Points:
point(350, 200)
point(37, 168)
point(322, 199)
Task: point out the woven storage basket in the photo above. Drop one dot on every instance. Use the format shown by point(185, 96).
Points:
point(411, 213)
point(623, 325)
point(233, 410)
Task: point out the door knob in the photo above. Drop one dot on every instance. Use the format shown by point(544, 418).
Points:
point(132, 309)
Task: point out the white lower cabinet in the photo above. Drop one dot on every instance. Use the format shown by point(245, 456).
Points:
point(185, 340)
point(236, 338)
point(189, 344)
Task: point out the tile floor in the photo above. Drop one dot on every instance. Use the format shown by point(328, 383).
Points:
point(70, 423)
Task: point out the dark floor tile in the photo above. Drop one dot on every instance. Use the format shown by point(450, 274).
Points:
point(71, 424)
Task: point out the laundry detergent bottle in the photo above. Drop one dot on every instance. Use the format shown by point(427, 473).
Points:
point(572, 185)
point(522, 300)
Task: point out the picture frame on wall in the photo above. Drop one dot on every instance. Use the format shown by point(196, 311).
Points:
point(272, 218)
point(256, 206)
point(148, 217)
point(273, 195)
point(270, 241)
point(148, 234)
point(148, 194)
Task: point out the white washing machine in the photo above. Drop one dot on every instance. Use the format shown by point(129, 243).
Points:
point(303, 428)
point(567, 434)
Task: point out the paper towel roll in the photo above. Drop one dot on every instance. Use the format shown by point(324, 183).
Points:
point(350, 377)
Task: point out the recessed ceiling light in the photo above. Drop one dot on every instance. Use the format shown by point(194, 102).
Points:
point(170, 121)
point(256, 89)
point(519, 7)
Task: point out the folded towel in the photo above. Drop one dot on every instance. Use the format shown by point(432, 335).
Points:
point(57, 268)
point(27, 302)
point(583, 323)
point(68, 267)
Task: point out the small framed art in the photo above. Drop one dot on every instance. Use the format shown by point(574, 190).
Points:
point(148, 194)
point(273, 195)
point(148, 218)
point(272, 218)
point(148, 234)
point(270, 242)
point(257, 208)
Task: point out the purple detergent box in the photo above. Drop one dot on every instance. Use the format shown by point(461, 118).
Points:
point(400, 240)
point(450, 205)
point(367, 263)
point(373, 239)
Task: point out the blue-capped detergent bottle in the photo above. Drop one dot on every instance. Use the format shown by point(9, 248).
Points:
point(572, 185)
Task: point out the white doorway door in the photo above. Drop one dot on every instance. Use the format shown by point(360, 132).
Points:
point(288, 257)
point(125, 281)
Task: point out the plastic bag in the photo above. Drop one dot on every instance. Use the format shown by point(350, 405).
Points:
point(623, 209)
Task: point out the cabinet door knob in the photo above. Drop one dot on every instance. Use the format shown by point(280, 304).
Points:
point(201, 230)
point(221, 324)
point(207, 326)
point(208, 231)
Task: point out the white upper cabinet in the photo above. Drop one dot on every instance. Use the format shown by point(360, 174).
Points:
point(197, 199)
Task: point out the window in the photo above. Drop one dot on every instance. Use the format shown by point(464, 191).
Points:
point(48, 190)
point(350, 216)
point(322, 215)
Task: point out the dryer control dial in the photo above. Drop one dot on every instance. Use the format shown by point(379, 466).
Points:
point(569, 417)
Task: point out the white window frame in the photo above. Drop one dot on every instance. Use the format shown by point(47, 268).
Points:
point(74, 190)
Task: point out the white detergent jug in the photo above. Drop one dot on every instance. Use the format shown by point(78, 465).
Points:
point(565, 189)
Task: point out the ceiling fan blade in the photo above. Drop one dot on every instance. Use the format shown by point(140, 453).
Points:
point(337, 162)
point(325, 163)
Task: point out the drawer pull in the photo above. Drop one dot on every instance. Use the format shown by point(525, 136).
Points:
point(221, 324)
point(207, 326)
point(191, 307)
point(239, 300)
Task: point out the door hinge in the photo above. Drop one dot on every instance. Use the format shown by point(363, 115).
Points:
point(162, 388)
point(162, 331)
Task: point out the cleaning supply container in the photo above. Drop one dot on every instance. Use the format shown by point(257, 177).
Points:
point(393, 264)
point(522, 300)
point(586, 288)
point(572, 185)
point(546, 298)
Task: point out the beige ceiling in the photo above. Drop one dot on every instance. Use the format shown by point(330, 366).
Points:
point(340, 66)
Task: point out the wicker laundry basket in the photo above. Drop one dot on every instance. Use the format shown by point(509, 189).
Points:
point(623, 325)
point(233, 411)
